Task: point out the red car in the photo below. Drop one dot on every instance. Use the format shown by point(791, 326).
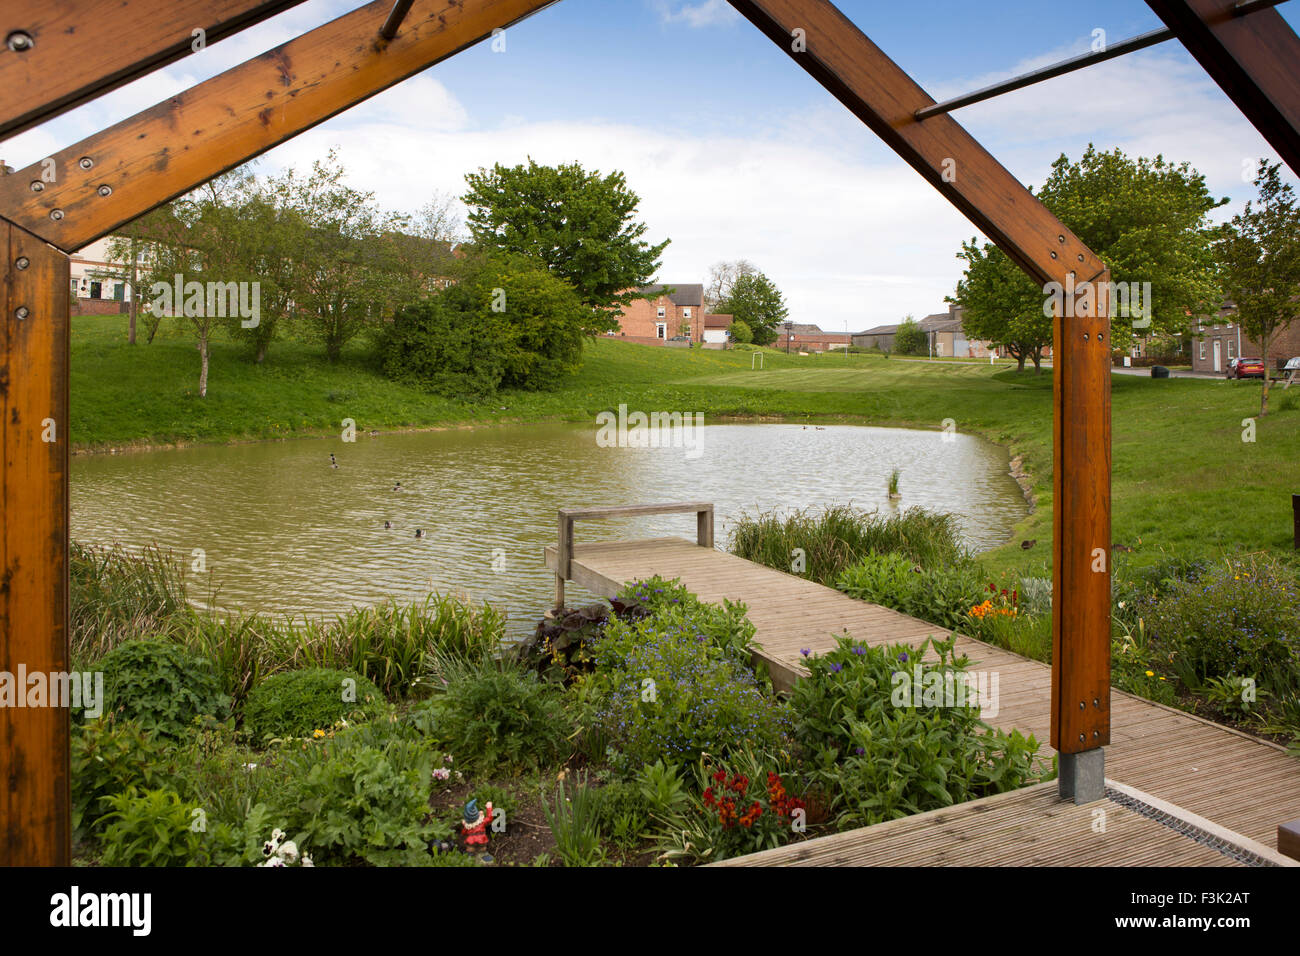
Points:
point(1246, 368)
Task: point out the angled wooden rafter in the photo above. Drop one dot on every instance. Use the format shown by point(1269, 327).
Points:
point(827, 45)
point(57, 56)
point(115, 176)
point(1254, 56)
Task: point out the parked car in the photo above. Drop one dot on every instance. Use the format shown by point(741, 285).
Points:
point(1245, 368)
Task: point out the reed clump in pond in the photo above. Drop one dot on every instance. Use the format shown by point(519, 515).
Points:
point(119, 595)
point(840, 536)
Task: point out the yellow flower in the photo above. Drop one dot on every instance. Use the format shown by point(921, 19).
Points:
point(318, 734)
point(1152, 674)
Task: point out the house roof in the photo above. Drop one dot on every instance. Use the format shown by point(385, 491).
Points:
point(689, 294)
point(880, 330)
point(713, 321)
point(804, 328)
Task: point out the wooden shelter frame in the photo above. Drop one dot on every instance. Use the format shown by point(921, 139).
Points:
point(51, 62)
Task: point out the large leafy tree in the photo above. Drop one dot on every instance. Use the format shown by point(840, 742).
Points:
point(756, 301)
point(1259, 257)
point(1148, 219)
point(580, 224)
point(910, 339)
point(722, 276)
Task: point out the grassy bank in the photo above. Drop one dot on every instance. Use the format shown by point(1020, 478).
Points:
point(1183, 478)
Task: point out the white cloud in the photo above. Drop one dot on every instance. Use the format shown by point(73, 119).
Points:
point(706, 13)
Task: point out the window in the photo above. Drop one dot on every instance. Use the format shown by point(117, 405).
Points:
point(74, 288)
point(686, 313)
point(1232, 349)
point(661, 330)
point(96, 289)
point(119, 291)
point(662, 312)
point(1202, 351)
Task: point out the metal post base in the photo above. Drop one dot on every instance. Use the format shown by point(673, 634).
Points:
point(1082, 777)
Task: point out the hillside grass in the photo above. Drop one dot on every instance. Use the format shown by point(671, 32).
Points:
point(1184, 480)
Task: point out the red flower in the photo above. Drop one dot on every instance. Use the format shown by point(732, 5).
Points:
point(720, 776)
point(708, 796)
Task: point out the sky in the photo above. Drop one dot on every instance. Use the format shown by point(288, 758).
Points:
point(734, 151)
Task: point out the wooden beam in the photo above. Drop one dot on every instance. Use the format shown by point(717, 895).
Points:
point(170, 148)
point(81, 49)
point(1081, 617)
point(823, 41)
point(35, 814)
point(837, 54)
point(1254, 57)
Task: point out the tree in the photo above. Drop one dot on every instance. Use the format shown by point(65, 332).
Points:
point(757, 302)
point(722, 276)
point(1259, 258)
point(741, 333)
point(910, 339)
point(580, 225)
point(508, 323)
point(1147, 219)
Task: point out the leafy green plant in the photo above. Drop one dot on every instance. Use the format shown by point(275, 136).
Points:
point(154, 828)
point(161, 685)
point(560, 648)
point(108, 757)
point(117, 595)
point(574, 824)
point(942, 595)
point(1234, 696)
point(501, 718)
point(298, 703)
point(354, 800)
point(622, 812)
point(662, 787)
point(884, 752)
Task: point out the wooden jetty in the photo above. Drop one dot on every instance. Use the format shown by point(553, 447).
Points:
point(1245, 785)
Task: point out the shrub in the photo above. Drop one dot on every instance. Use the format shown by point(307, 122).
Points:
point(910, 338)
point(154, 828)
point(1242, 617)
point(883, 752)
point(297, 703)
point(354, 799)
point(161, 685)
point(941, 595)
point(840, 536)
point(501, 719)
point(668, 692)
point(108, 757)
point(741, 333)
point(560, 648)
point(621, 812)
point(724, 626)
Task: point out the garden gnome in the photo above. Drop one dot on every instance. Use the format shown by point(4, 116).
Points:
point(475, 826)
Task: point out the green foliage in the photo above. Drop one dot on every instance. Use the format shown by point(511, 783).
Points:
point(296, 703)
point(881, 755)
point(154, 828)
point(501, 719)
point(161, 685)
point(724, 626)
point(579, 224)
point(1241, 617)
point(358, 797)
point(941, 595)
point(621, 812)
point(668, 690)
point(1234, 696)
point(575, 825)
point(560, 648)
point(108, 757)
point(756, 301)
point(741, 333)
point(662, 788)
point(117, 595)
point(1259, 256)
point(911, 339)
point(508, 323)
point(840, 536)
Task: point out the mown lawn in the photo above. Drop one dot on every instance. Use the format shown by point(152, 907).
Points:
point(1183, 477)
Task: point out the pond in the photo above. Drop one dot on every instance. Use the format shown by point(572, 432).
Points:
point(283, 529)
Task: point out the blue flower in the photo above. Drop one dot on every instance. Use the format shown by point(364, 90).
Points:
point(903, 657)
point(805, 651)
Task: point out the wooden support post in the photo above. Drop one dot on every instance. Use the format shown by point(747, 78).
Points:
point(704, 527)
point(35, 818)
point(1288, 839)
point(564, 557)
point(1254, 57)
point(1081, 516)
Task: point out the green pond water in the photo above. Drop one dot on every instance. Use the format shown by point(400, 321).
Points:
point(282, 530)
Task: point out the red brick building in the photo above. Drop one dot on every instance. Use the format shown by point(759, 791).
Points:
point(809, 338)
point(1218, 340)
point(671, 312)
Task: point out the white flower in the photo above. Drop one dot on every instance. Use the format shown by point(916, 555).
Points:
point(289, 852)
point(306, 861)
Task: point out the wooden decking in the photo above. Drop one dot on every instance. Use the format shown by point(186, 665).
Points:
point(1241, 783)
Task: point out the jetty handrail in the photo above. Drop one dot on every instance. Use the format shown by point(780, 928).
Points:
point(703, 511)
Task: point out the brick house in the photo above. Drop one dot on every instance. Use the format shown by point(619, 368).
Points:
point(945, 331)
point(1218, 339)
point(99, 285)
point(715, 329)
point(804, 337)
point(669, 312)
